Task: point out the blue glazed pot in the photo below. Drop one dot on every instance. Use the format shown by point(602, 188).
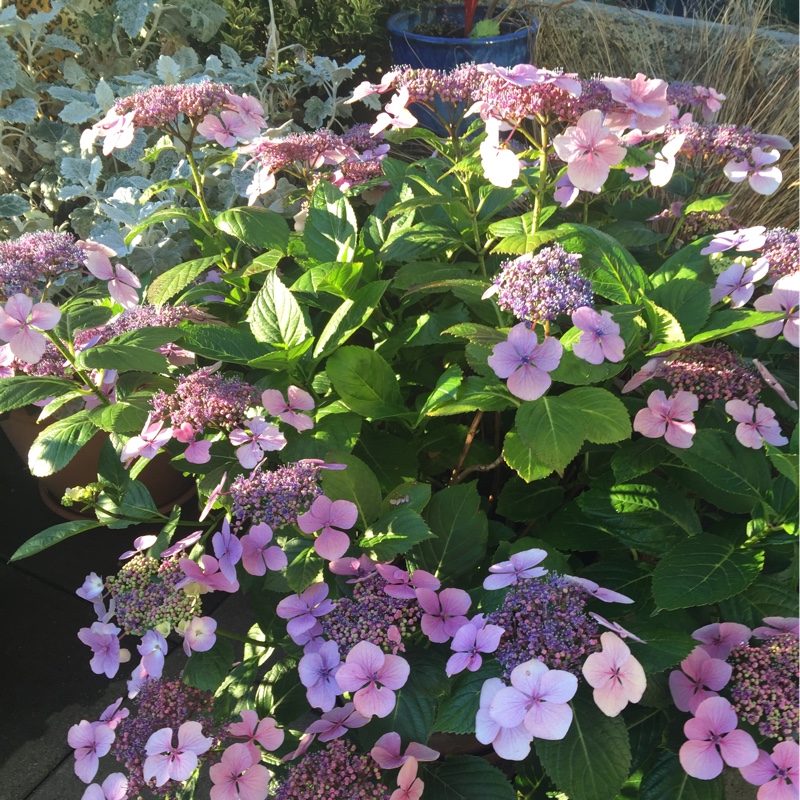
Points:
point(444, 53)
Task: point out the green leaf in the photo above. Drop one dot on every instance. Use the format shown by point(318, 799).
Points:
point(457, 712)
point(521, 458)
point(57, 444)
point(477, 394)
point(282, 360)
point(365, 383)
point(461, 530)
point(767, 596)
point(258, 228)
point(221, 343)
point(303, 569)
point(631, 233)
point(357, 484)
point(663, 326)
point(605, 418)
point(553, 428)
point(722, 461)
point(667, 780)
point(520, 501)
point(785, 463)
point(275, 316)
point(137, 506)
point(53, 535)
point(637, 458)
point(467, 778)
point(665, 646)
point(349, 317)
point(162, 215)
point(655, 498)
point(703, 570)
point(395, 533)
point(122, 358)
point(24, 390)
point(149, 338)
point(208, 670)
point(119, 417)
point(689, 301)
point(165, 185)
point(592, 761)
point(175, 280)
point(330, 232)
point(445, 390)
point(713, 204)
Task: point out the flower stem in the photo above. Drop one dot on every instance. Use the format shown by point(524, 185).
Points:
point(64, 350)
point(239, 638)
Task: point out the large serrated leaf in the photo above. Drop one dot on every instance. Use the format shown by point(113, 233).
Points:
point(365, 383)
point(207, 670)
point(175, 280)
point(356, 484)
point(57, 444)
point(395, 533)
point(275, 316)
point(667, 780)
point(467, 778)
point(259, 228)
point(605, 418)
point(703, 570)
point(53, 535)
point(330, 232)
point(689, 301)
point(521, 458)
point(122, 358)
point(220, 343)
point(23, 390)
point(553, 428)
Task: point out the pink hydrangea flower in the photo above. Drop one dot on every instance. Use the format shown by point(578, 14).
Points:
point(538, 697)
point(317, 672)
point(615, 675)
point(699, 678)
point(409, 786)
point(330, 516)
point(152, 438)
point(645, 99)
point(103, 639)
point(114, 787)
point(756, 425)
point(668, 418)
point(395, 113)
point(141, 544)
point(600, 340)
point(387, 752)
point(785, 297)
point(251, 113)
point(223, 130)
point(117, 132)
point(470, 641)
point(258, 555)
point(520, 565)
point(199, 635)
point(444, 613)
point(778, 775)
point(401, 585)
point(112, 715)
point(205, 576)
point(739, 282)
point(664, 166)
point(122, 283)
point(525, 362)
point(238, 776)
point(778, 625)
point(590, 150)
point(166, 761)
point(263, 732)
point(365, 667)
point(228, 551)
point(714, 741)
point(259, 437)
point(762, 176)
point(303, 609)
point(21, 323)
point(510, 743)
point(196, 452)
point(91, 588)
point(719, 638)
point(91, 743)
point(286, 409)
point(153, 650)
point(745, 240)
point(597, 591)
point(337, 722)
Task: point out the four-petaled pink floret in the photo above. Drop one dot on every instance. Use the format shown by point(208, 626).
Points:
point(719, 638)
point(91, 743)
point(525, 362)
point(670, 418)
point(470, 641)
point(701, 676)
point(387, 751)
point(444, 613)
point(303, 609)
point(166, 761)
point(239, 776)
point(286, 409)
point(615, 675)
point(776, 775)
point(265, 732)
point(519, 565)
point(329, 516)
point(20, 324)
point(317, 670)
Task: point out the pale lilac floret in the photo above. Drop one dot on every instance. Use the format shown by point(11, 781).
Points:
point(141, 544)
point(204, 576)
point(91, 743)
point(745, 240)
point(513, 744)
point(365, 668)
point(153, 649)
point(228, 550)
point(756, 425)
point(776, 626)
point(520, 565)
point(597, 591)
point(759, 171)
point(590, 150)
point(525, 362)
point(222, 129)
point(196, 452)
point(776, 775)
point(670, 418)
point(444, 613)
point(103, 639)
point(199, 635)
point(387, 751)
point(114, 787)
point(252, 442)
point(166, 762)
point(402, 585)
point(739, 282)
point(286, 409)
point(719, 638)
point(182, 544)
point(239, 776)
point(600, 340)
point(470, 641)
point(645, 99)
point(329, 516)
point(615, 627)
point(785, 297)
point(538, 697)
point(303, 609)
point(714, 741)
point(91, 588)
point(258, 555)
point(395, 113)
point(701, 676)
point(664, 166)
point(263, 732)
point(112, 715)
point(21, 323)
point(152, 438)
point(336, 723)
point(317, 672)
point(122, 283)
point(615, 675)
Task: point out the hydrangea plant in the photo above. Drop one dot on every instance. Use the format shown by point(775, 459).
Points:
point(484, 435)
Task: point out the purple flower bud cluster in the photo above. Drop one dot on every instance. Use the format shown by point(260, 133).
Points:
point(206, 399)
point(683, 93)
point(545, 619)
point(716, 143)
point(134, 320)
point(51, 365)
point(158, 106)
point(713, 373)
point(162, 704)
point(145, 594)
point(764, 688)
point(335, 773)
point(697, 224)
point(368, 615)
point(276, 497)
point(540, 287)
point(782, 252)
point(35, 259)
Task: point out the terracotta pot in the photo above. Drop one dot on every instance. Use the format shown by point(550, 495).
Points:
point(167, 486)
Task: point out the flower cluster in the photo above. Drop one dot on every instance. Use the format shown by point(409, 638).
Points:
point(781, 252)
point(145, 316)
